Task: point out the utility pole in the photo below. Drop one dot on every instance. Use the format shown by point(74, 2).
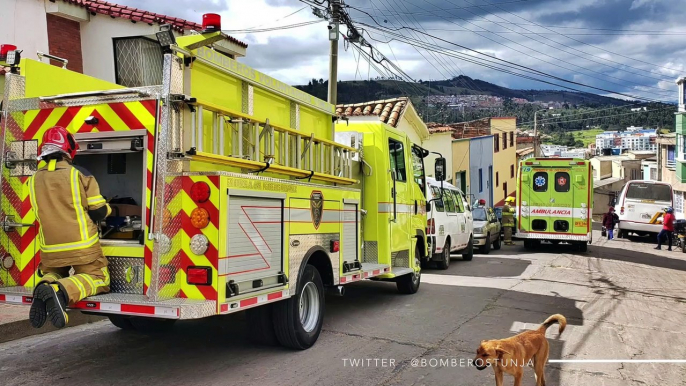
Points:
point(335, 8)
point(536, 144)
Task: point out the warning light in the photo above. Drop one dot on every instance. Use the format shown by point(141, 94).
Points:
point(200, 218)
point(211, 22)
point(200, 192)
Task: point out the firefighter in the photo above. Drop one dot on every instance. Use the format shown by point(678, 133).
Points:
point(508, 220)
point(67, 202)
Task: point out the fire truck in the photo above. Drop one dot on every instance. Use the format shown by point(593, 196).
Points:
point(555, 202)
point(230, 191)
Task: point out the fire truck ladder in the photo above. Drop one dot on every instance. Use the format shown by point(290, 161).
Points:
point(258, 145)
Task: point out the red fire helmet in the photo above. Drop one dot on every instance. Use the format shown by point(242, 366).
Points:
point(58, 140)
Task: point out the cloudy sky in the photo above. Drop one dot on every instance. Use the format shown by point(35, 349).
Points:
point(630, 46)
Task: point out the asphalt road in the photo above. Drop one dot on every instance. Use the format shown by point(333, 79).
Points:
point(622, 300)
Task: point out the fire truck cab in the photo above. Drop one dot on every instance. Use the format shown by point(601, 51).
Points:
point(231, 191)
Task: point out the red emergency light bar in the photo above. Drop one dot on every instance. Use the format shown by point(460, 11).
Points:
point(4, 49)
point(211, 22)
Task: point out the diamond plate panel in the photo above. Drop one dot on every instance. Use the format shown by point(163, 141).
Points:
point(296, 254)
point(245, 104)
point(126, 274)
point(167, 186)
point(371, 252)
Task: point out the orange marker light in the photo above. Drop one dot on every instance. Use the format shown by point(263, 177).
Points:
point(200, 218)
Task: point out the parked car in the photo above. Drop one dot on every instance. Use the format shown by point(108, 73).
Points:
point(486, 229)
point(449, 226)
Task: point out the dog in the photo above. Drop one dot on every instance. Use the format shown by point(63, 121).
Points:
point(512, 354)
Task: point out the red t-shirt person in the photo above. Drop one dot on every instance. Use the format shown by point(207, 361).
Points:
point(668, 222)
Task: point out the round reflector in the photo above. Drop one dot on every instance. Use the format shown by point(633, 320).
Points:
point(199, 244)
point(200, 192)
point(200, 218)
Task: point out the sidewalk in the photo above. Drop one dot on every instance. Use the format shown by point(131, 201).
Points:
point(14, 322)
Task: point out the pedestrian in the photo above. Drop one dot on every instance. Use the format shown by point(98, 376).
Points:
point(508, 220)
point(667, 228)
point(609, 223)
point(67, 203)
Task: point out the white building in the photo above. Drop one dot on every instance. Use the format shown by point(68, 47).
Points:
point(108, 41)
point(552, 150)
point(635, 138)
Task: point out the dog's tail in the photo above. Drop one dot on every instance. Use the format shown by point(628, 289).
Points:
point(557, 318)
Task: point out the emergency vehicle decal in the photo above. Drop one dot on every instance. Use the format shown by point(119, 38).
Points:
point(22, 244)
point(316, 207)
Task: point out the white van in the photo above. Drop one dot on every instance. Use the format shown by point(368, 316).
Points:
point(449, 227)
point(640, 207)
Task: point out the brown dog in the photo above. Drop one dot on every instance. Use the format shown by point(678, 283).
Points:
point(512, 354)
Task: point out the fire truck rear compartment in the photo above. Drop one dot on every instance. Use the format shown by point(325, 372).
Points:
point(118, 162)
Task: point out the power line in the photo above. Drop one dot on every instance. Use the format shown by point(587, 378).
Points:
point(271, 29)
point(554, 58)
point(605, 116)
point(491, 59)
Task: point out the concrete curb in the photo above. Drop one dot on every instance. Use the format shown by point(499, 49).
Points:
point(22, 328)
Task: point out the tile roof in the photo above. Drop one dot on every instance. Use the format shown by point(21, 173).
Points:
point(471, 129)
point(135, 14)
point(389, 110)
point(525, 151)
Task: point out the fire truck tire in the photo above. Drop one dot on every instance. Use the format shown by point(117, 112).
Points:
point(444, 263)
point(468, 254)
point(261, 325)
point(298, 320)
point(152, 325)
point(408, 284)
point(122, 322)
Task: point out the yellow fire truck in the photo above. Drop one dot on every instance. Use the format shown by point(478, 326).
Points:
point(231, 191)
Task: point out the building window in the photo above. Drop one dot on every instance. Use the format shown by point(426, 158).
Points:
point(137, 62)
point(481, 180)
point(512, 171)
point(496, 143)
point(504, 141)
point(679, 201)
point(511, 138)
point(497, 179)
point(671, 163)
point(505, 192)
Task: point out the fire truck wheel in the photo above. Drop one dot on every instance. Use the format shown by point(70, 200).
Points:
point(152, 325)
point(298, 320)
point(468, 254)
point(445, 259)
point(122, 322)
point(408, 284)
point(261, 325)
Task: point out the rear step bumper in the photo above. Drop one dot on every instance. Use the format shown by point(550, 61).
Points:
point(139, 305)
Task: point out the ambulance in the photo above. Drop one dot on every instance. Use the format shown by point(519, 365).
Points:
point(555, 202)
point(231, 191)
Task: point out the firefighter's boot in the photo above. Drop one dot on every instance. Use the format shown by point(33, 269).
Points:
point(55, 298)
point(38, 314)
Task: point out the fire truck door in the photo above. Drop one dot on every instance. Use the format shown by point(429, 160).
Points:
point(400, 210)
point(18, 241)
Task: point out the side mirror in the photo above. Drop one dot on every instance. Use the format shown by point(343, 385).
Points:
point(428, 206)
point(439, 169)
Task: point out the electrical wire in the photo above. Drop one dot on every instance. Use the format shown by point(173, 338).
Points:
point(609, 116)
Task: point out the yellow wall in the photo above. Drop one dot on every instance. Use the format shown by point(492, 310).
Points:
point(439, 143)
point(504, 159)
point(460, 161)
